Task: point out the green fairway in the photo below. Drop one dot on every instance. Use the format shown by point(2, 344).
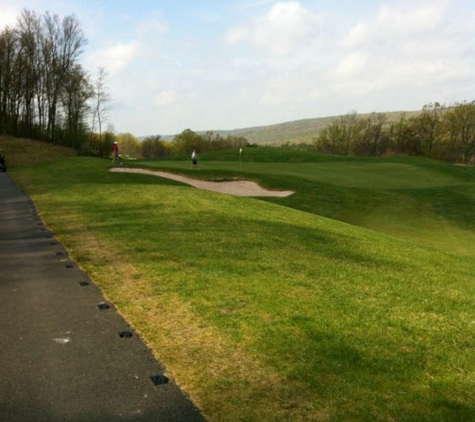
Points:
point(414, 199)
point(271, 310)
point(375, 175)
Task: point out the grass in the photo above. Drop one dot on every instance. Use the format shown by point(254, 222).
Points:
point(264, 312)
point(415, 199)
point(26, 152)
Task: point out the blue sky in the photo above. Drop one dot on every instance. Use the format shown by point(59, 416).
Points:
point(209, 65)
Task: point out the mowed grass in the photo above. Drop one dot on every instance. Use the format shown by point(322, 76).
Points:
point(415, 199)
point(263, 312)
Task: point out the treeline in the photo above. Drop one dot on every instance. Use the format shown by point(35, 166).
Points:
point(43, 88)
point(188, 140)
point(45, 94)
point(438, 131)
point(156, 147)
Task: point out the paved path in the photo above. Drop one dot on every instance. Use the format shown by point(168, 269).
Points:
point(64, 355)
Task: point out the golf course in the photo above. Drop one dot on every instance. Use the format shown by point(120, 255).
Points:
point(352, 299)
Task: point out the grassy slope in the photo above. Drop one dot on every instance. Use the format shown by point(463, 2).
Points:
point(266, 313)
point(25, 152)
point(414, 199)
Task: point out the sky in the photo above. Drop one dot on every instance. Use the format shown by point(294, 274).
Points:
point(202, 65)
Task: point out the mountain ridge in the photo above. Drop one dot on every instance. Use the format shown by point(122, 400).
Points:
point(295, 131)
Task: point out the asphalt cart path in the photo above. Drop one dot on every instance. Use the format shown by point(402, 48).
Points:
point(65, 353)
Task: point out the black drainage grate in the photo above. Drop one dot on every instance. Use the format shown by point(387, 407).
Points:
point(125, 334)
point(103, 306)
point(84, 283)
point(69, 266)
point(59, 253)
point(159, 379)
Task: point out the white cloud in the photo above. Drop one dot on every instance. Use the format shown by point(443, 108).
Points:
point(400, 20)
point(165, 98)
point(352, 64)
point(359, 35)
point(378, 63)
point(114, 58)
point(8, 17)
point(284, 28)
point(411, 18)
point(154, 25)
point(236, 35)
point(404, 45)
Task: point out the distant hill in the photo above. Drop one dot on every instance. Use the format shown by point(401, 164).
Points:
point(296, 131)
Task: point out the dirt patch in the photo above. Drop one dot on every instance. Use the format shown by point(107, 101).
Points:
point(233, 187)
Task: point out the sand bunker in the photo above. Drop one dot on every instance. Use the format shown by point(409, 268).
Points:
point(233, 187)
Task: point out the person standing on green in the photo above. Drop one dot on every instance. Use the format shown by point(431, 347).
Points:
point(194, 160)
point(115, 153)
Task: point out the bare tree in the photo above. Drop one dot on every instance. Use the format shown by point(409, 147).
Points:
point(460, 126)
point(28, 69)
point(41, 83)
point(429, 129)
point(101, 100)
point(77, 90)
point(63, 42)
point(9, 42)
